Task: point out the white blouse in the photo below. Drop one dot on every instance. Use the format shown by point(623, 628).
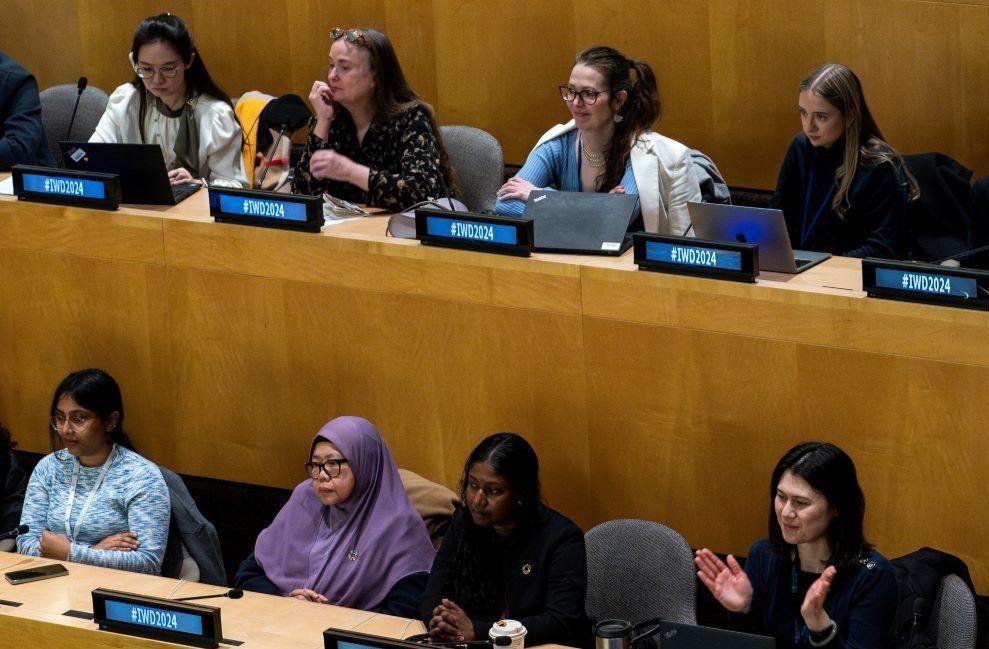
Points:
point(220, 156)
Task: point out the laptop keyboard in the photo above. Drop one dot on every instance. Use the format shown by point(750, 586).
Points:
point(182, 192)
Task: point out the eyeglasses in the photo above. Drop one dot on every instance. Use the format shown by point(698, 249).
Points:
point(351, 36)
point(76, 422)
point(330, 467)
point(166, 71)
point(587, 97)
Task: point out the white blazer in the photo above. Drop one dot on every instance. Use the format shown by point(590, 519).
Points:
point(663, 170)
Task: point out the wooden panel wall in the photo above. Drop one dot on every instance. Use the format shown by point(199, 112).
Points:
point(728, 70)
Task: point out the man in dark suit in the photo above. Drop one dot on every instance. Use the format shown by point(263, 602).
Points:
point(22, 135)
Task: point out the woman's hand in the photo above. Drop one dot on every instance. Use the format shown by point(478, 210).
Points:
point(123, 542)
point(516, 188)
point(321, 101)
point(307, 595)
point(812, 610)
point(728, 583)
point(450, 623)
point(327, 163)
point(619, 189)
point(55, 546)
point(179, 176)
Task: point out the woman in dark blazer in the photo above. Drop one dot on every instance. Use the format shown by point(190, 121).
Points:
point(507, 555)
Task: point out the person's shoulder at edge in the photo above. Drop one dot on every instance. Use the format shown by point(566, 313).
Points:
point(122, 94)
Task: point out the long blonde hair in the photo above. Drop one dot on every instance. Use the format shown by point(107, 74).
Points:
point(839, 86)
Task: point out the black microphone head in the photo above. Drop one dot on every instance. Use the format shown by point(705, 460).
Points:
point(502, 641)
point(83, 82)
point(919, 606)
point(23, 529)
point(235, 593)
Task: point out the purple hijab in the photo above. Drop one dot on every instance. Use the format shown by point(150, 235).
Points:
point(309, 544)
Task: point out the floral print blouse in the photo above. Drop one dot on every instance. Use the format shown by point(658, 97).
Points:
point(403, 156)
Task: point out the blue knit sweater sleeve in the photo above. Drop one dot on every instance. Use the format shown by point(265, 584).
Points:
point(133, 497)
point(543, 168)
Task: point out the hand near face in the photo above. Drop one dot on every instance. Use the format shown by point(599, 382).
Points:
point(179, 176)
point(450, 624)
point(123, 542)
point(321, 101)
point(55, 546)
point(516, 189)
point(728, 583)
point(812, 610)
point(307, 595)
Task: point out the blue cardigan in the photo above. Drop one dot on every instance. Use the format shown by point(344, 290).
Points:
point(862, 600)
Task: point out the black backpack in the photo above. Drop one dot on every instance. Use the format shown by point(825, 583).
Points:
point(918, 578)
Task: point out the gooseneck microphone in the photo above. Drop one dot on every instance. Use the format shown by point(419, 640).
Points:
point(80, 86)
point(14, 533)
point(233, 593)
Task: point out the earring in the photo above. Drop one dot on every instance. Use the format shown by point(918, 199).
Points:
point(618, 118)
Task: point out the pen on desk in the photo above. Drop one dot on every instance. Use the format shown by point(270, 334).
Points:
point(175, 590)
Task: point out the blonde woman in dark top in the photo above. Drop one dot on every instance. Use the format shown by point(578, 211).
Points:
point(372, 140)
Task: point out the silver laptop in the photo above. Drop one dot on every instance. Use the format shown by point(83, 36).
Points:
point(675, 635)
point(753, 225)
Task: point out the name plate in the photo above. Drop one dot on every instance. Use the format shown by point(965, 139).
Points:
point(266, 209)
point(66, 187)
point(737, 262)
point(928, 283)
point(471, 231)
point(156, 618)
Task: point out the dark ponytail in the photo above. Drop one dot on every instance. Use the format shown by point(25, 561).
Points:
point(170, 29)
point(640, 111)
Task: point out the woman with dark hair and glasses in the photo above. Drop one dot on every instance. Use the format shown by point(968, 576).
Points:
point(174, 103)
point(815, 581)
point(609, 146)
point(507, 555)
point(348, 535)
point(842, 188)
point(95, 501)
point(372, 139)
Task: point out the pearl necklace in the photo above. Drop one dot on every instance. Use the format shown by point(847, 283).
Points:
point(593, 159)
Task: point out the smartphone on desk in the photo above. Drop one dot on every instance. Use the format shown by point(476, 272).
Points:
point(36, 574)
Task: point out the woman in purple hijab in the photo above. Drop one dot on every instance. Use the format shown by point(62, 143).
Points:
point(348, 535)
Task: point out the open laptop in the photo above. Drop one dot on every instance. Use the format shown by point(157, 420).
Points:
point(141, 167)
point(753, 225)
point(675, 635)
point(585, 223)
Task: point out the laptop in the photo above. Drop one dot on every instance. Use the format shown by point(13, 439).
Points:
point(675, 635)
point(754, 225)
point(342, 639)
point(141, 167)
point(585, 223)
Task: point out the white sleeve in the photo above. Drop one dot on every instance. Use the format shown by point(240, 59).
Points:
point(112, 125)
point(224, 148)
point(683, 189)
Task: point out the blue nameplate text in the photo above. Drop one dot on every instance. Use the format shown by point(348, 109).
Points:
point(267, 209)
point(152, 617)
point(155, 618)
point(66, 187)
point(930, 283)
point(481, 232)
point(685, 256)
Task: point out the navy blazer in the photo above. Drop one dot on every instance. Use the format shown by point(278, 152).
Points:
point(22, 135)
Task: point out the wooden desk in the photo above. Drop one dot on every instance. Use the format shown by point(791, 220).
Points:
point(645, 395)
point(256, 620)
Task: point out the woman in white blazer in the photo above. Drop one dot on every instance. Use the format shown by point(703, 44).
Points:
point(608, 145)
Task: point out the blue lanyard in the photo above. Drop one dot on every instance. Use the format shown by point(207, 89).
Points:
point(804, 229)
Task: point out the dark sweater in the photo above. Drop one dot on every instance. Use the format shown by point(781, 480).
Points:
point(875, 225)
point(22, 136)
point(862, 600)
point(544, 568)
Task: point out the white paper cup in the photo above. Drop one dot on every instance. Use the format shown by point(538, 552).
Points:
point(509, 629)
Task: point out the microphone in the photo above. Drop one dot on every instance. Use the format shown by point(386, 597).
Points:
point(80, 86)
point(233, 593)
point(14, 533)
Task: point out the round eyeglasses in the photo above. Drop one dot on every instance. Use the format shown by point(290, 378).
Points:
point(166, 71)
point(331, 468)
point(75, 422)
point(587, 96)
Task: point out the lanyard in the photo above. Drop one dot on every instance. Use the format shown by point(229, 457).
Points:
point(804, 229)
point(73, 534)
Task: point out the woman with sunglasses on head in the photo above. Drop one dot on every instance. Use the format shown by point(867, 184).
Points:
point(507, 555)
point(816, 581)
point(174, 103)
point(842, 188)
point(608, 145)
point(372, 139)
point(348, 535)
point(95, 501)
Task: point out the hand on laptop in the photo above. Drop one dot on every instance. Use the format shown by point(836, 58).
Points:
point(180, 176)
point(619, 189)
point(728, 583)
point(515, 188)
